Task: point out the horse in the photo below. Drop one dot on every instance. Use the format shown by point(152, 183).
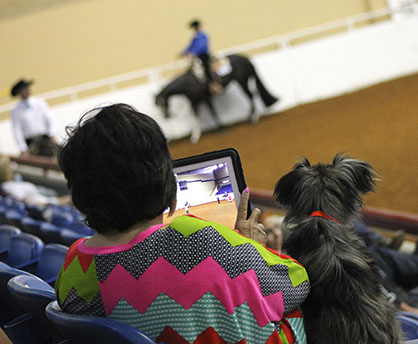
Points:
point(196, 89)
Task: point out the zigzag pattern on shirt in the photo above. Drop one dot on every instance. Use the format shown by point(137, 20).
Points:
point(162, 277)
point(208, 336)
point(206, 312)
point(79, 279)
point(84, 259)
point(185, 253)
point(74, 304)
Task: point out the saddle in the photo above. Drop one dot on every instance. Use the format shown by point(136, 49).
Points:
point(220, 67)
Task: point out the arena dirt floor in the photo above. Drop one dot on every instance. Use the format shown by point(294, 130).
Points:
point(225, 212)
point(378, 124)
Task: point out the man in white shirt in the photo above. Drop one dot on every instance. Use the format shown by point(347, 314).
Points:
point(33, 124)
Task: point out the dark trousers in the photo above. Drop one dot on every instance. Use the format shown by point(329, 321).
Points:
point(398, 267)
point(205, 58)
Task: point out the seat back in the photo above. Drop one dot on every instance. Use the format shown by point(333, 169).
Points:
point(50, 262)
point(13, 217)
point(81, 228)
point(50, 233)
point(409, 327)
point(68, 237)
point(7, 232)
point(24, 248)
point(33, 295)
point(61, 219)
point(9, 307)
point(86, 329)
point(30, 226)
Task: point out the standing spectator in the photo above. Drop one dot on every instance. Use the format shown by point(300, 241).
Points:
point(33, 124)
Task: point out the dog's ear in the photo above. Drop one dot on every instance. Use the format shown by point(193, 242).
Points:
point(286, 186)
point(359, 173)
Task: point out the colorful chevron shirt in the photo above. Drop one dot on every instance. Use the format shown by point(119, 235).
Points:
point(191, 281)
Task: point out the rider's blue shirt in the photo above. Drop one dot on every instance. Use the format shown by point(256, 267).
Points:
point(199, 45)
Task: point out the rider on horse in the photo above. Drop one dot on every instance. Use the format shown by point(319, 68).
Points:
point(199, 48)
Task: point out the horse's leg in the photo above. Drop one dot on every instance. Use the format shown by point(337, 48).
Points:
point(252, 117)
point(196, 131)
point(214, 114)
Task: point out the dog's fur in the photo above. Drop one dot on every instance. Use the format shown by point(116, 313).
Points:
point(346, 304)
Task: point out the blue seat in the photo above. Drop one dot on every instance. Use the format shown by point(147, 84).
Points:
point(3, 211)
point(35, 211)
point(10, 309)
point(81, 228)
point(50, 262)
point(7, 232)
point(30, 226)
point(34, 294)
point(86, 329)
point(409, 327)
point(24, 250)
point(409, 315)
point(68, 237)
point(61, 219)
point(50, 233)
point(13, 217)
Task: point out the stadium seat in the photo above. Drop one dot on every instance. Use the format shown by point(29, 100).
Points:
point(3, 211)
point(81, 228)
point(7, 232)
point(31, 226)
point(50, 233)
point(50, 262)
point(61, 219)
point(87, 329)
point(13, 218)
point(409, 315)
point(35, 211)
point(34, 294)
point(10, 309)
point(68, 237)
point(409, 327)
point(24, 250)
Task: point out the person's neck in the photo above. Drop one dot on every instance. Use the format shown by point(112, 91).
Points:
point(114, 237)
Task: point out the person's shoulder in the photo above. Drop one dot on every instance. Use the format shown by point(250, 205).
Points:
point(16, 110)
point(38, 101)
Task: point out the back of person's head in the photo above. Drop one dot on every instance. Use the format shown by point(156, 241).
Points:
point(5, 169)
point(118, 167)
point(195, 24)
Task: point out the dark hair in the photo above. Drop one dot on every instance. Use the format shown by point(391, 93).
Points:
point(195, 24)
point(118, 168)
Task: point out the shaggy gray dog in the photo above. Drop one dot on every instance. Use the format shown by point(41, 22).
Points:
point(346, 304)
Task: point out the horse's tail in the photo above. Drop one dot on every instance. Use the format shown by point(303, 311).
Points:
point(266, 96)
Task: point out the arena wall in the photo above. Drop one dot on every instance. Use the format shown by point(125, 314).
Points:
point(299, 74)
point(80, 41)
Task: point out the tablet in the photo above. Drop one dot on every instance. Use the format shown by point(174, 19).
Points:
point(209, 186)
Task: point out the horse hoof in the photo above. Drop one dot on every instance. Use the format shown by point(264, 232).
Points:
point(195, 138)
point(254, 118)
point(222, 130)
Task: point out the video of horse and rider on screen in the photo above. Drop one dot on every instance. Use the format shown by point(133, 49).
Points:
point(206, 193)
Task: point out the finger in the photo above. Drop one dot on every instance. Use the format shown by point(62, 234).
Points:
point(243, 205)
point(255, 215)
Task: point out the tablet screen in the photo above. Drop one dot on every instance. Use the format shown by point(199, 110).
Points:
point(208, 190)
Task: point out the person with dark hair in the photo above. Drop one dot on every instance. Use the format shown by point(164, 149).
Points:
point(199, 48)
point(189, 281)
point(33, 125)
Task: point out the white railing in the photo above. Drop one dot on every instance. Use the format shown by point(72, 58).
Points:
point(281, 42)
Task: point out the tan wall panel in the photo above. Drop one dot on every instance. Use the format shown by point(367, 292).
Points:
point(88, 40)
